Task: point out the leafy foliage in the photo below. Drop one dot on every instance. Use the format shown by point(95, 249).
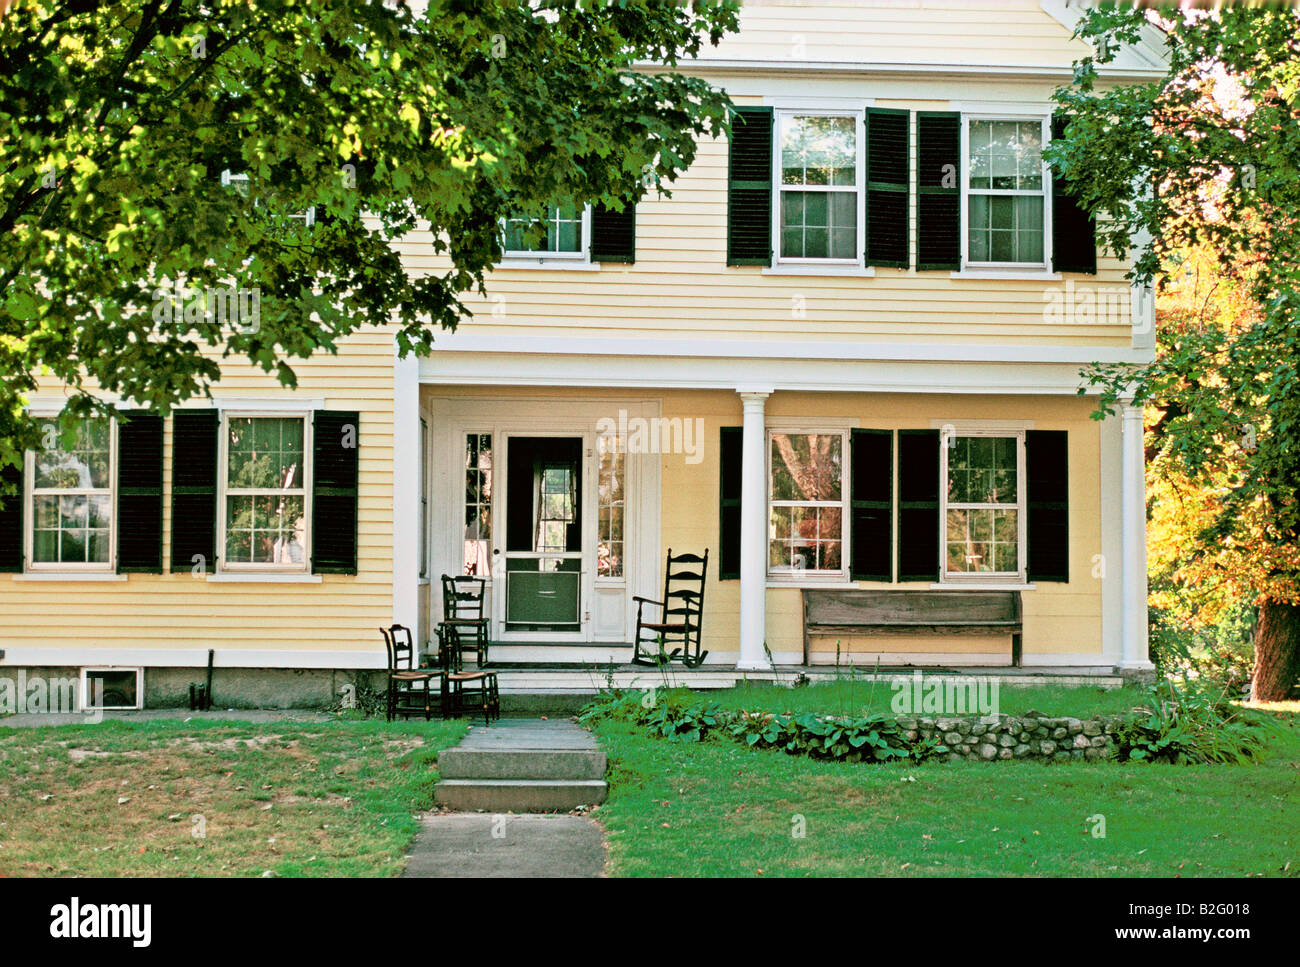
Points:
point(867, 738)
point(118, 120)
point(1191, 723)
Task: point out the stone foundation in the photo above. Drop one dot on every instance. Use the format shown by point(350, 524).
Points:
point(1029, 736)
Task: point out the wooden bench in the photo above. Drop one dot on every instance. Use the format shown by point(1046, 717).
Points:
point(858, 611)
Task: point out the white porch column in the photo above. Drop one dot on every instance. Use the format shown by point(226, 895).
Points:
point(753, 533)
point(1133, 524)
point(406, 492)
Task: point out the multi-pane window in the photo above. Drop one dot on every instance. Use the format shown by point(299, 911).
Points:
point(612, 505)
point(1006, 192)
point(265, 492)
point(559, 235)
point(72, 496)
point(477, 552)
point(424, 499)
point(806, 501)
point(557, 504)
point(819, 185)
point(983, 509)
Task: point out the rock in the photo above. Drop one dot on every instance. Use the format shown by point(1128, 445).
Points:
point(1081, 741)
point(1004, 753)
point(1046, 748)
point(1092, 727)
point(912, 735)
point(964, 727)
point(1033, 713)
point(1022, 750)
point(1062, 756)
point(1076, 753)
point(988, 752)
point(941, 750)
point(1073, 726)
point(1092, 755)
point(1060, 732)
point(946, 725)
point(952, 738)
point(978, 729)
point(907, 725)
point(956, 757)
point(1006, 741)
point(1099, 742)
point(1012, 726)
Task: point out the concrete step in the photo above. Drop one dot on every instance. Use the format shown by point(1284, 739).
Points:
point(519, 795)
point(468, 762)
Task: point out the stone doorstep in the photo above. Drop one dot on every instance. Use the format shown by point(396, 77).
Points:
point(520, 795)
point(482, 762)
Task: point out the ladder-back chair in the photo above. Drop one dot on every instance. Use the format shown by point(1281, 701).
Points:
point(681, 612)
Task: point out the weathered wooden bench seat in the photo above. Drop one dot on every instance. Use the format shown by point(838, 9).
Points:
point(860, 611)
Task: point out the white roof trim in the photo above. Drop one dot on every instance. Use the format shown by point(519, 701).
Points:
point(1148, 53)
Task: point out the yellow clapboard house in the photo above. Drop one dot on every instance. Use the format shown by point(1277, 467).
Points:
point(843, 356)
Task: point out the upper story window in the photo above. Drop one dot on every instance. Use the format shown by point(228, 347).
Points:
point(70, 494)
point(819, 196)
point(983, 507)
point(264, 493)
point(563, 234)
point(1006, 192)
point(807, 496)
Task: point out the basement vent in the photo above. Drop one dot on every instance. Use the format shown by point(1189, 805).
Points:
point(112, 688)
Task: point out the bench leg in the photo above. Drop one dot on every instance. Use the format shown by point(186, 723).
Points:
point(1015, 650)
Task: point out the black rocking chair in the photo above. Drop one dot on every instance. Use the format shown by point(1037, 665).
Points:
point(462, 690)
point(680, 614)
point(411, 690)
point(462, 606)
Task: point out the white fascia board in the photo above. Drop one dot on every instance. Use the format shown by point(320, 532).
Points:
point(705, 66)
point(196, 657)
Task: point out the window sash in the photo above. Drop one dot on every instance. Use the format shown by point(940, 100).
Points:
point(789, 572)
point(856, 189)
point(226, 491)
point(31, 492)
point(1019, 507)
point(582, 254)
point(1044, 192)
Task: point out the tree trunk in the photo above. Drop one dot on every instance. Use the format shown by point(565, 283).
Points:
point(1277, 651)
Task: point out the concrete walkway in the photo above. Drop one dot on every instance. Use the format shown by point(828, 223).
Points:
point(520, 775)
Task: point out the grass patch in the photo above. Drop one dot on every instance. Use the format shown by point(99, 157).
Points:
point(297, 799)
point(733, 810)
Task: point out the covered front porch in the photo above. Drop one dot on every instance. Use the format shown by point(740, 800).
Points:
point(565, 491)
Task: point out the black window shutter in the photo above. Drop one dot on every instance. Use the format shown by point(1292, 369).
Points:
point(1074, 230)
point(194, 489)
point(1047, 465)
point(872, 497)
point(749, 188)
point(730, 451)
point(140, 494)
point(918, 505)
point(888, 137)
point(613, 234)
point(938, 202)
point(336, 437)
point(11, 520)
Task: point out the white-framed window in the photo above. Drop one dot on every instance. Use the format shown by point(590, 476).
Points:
point(808, 494)
point(476, 554)
point(424, 498)
point(240, 182)
point(1006, 205)
point(982, 506)
point(818, 208)
point(611, 507)
point(563, 234)
point(70, 494)
point(110, 688)
point(265, 494)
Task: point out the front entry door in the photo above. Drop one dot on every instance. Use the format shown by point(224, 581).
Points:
point(545, 515)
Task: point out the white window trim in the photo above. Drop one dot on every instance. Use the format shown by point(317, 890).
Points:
point(609, 580)
point(803, 577)
point(83, 689)
point(820, 266)
point(1018, 578)
point(226, 570)
point(971, 269)
point(514, 258)
point(54, 570)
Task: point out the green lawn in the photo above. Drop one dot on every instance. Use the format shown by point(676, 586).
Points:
point(120, 799)
point(719, 808)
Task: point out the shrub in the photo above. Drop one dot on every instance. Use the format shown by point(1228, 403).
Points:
point(1195, 722)
point(868, 738)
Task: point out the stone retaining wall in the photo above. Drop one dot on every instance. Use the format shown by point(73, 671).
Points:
point(1029, 736)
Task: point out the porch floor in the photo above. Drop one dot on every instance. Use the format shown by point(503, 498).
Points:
point(577, 679)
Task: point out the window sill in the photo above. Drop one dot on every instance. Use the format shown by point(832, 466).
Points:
point(1015, 275)
point(69, 576)
point(811, 584)
point(852, 271)
point(566, 265)
point(991, 586)
point(254, 577)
